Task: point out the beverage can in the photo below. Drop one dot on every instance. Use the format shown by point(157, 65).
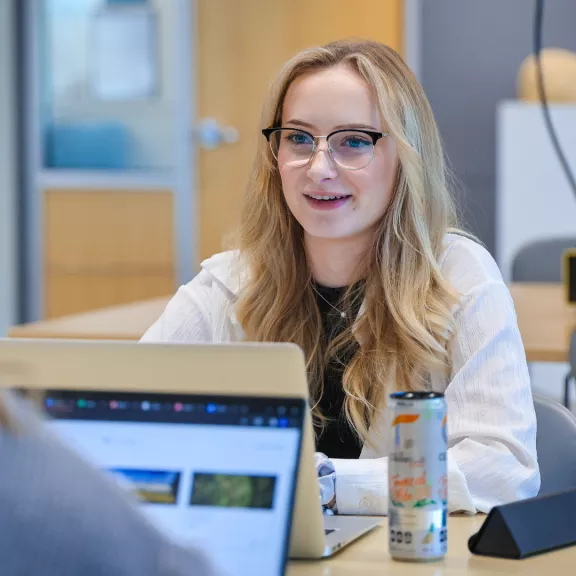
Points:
point(418, 476)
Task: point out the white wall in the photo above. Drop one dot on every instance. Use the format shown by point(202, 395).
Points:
point(534, 200)
point(7, 170)
point(413, 35)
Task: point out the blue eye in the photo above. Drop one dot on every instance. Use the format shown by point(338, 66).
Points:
point(298, 138)
point(356, 142)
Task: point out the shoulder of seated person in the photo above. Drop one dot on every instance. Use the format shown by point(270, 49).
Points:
point(220, 260)
point(226, 268)
point(467, 264)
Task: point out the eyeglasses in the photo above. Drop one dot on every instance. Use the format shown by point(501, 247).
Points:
point(350, 149)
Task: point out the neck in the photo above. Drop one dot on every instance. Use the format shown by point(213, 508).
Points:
point(335, 262)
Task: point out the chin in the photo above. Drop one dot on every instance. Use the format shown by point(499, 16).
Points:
point(334, 232)
point(331, 234)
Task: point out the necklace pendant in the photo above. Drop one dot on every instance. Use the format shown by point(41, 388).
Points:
point(343, 314)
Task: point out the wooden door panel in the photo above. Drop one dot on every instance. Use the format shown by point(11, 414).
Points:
point(241, 45)
point(106, 247)
point(103, 229)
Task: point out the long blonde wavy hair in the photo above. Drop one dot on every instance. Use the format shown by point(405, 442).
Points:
point(406, 319)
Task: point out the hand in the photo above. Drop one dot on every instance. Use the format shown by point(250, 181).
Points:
point(327, 483)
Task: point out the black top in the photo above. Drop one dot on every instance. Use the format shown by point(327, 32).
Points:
point(337, 439)
point(416, 395)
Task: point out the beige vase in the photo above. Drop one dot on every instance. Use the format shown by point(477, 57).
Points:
point(559, 68)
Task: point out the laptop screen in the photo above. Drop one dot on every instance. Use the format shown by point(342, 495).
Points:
point(213, 471)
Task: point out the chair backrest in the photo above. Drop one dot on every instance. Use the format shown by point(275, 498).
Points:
point(541, 261)
point(556, 445)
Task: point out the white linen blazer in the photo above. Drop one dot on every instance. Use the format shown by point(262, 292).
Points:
point(491, 419)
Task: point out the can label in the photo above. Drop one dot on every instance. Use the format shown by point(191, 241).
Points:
point(418, 482)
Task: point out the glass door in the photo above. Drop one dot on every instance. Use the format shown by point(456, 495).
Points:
point(110, 190)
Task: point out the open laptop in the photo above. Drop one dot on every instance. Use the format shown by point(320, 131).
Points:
point(249, 369)
point(218, 472)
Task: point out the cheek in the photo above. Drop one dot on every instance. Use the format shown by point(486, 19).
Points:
point(373, 188)
point(379, 181)
point(285, 179)
point(290, 182)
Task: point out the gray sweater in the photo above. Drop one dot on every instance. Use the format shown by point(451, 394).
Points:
point(60, 516)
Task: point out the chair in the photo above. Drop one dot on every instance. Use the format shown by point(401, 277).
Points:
point(541, 261)
point(556, 445)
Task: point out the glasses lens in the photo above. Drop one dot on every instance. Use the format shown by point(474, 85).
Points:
point(351, 149)
point(291, 147)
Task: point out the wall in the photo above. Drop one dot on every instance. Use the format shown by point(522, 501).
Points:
point(7, 170)
point(534, 200)
point(470, 54)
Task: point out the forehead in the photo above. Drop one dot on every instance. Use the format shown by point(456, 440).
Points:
point(329, 98)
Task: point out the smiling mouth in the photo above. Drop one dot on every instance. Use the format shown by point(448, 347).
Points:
point(327, 198)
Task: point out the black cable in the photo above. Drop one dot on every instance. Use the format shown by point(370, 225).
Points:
point(538, 24)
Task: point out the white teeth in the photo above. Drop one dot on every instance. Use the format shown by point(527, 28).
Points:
point(325, 197)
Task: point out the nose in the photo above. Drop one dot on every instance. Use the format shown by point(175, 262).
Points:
point(321, 165)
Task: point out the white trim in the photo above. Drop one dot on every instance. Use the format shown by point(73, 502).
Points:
point(8, 163)
point(413, 35)
point(84, 180)
point(32, 219)
point(186, 203)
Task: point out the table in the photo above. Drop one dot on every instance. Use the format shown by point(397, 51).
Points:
point(126, 322)
point(546, 322)
point(545, 319)
point(369, 556)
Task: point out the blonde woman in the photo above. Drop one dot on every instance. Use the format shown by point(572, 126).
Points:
point(348, 248)
point(61, 517)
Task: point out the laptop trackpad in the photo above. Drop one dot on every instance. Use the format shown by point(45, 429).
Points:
point(349, 526)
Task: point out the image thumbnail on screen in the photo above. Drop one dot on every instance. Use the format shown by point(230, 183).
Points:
point(150, 486)
point(233, 491)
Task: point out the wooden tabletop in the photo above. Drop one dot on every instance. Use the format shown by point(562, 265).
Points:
point(127, 322)
point(545, 320)
point(370, 556)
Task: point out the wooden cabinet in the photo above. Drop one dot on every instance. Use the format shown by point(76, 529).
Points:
point(106, 247)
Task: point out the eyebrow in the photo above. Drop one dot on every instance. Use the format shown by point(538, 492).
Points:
point(339, 127)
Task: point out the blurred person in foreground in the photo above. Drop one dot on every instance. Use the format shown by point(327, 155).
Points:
point(349, 247)
point(61, 517)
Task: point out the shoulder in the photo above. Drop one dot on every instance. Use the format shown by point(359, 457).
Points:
point(226, 269)
point(467, 264)
point(51, 495)
point(223, 270)
point(200, 308)
point(189, 314)
point(483, 295)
